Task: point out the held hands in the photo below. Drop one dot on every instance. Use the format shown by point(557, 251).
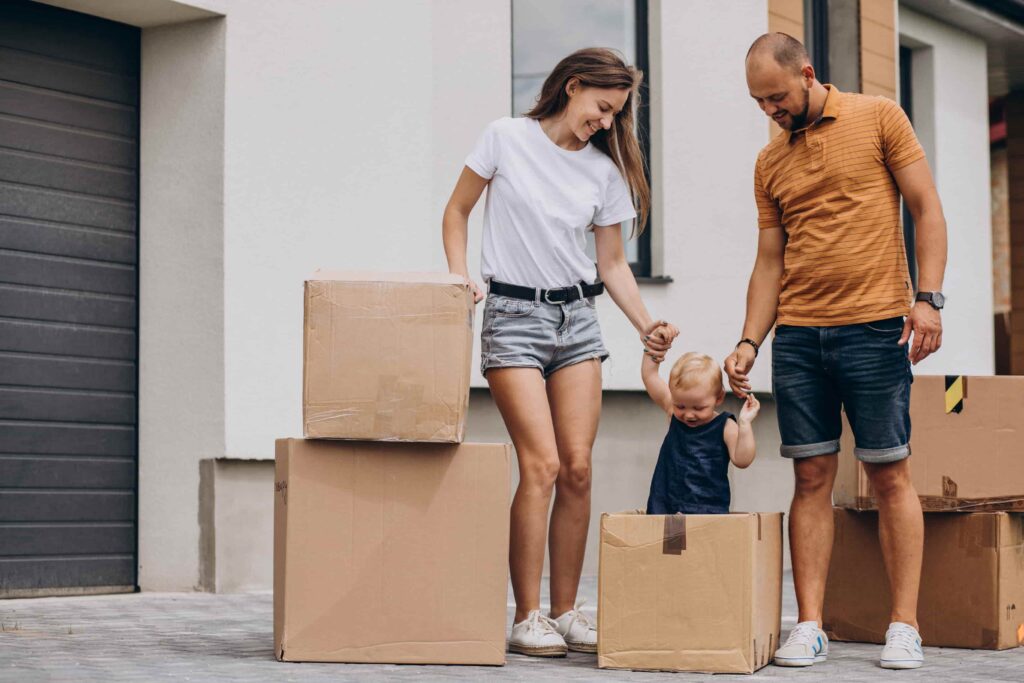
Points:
point(926, 324)
point(657, 338)
point(737, 367)
point(751, 407)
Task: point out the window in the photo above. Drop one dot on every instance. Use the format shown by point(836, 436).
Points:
point(543, 32)
point(906, 88)
point(832, 39)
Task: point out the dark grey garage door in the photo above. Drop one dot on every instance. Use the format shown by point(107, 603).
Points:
point(69, 95)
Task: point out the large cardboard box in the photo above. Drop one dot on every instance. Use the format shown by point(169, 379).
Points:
point(970, 460)
point(689, 592)
point(390, 553)
point(386, 356)
point(972, 581)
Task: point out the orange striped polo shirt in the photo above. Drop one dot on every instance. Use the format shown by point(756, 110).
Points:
point(830, 187)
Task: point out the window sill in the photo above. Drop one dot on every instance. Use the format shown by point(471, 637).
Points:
point(654, 280)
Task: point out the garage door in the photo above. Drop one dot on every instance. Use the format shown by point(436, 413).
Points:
point(69, 112)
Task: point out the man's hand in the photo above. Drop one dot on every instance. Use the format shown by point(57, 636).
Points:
point(658, 338)
point(926, 324)
point(737, 367)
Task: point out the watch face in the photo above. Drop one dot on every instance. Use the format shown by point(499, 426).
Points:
point(938, 300)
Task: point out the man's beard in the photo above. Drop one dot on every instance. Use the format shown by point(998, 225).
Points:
point(800, 120)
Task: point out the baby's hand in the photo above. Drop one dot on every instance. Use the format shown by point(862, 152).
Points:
point(750, 408)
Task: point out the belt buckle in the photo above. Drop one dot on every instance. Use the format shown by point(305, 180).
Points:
point(547, 294)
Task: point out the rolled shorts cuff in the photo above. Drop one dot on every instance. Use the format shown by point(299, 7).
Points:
point(882, 455)
point(601, 356)
point(809, 450)
point(491, 362)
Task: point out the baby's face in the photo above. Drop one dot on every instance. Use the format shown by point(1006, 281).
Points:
point(694, 406)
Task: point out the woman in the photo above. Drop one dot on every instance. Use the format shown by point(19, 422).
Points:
point(573, 163)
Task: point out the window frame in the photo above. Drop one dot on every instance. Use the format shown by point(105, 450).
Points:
point(642, 266)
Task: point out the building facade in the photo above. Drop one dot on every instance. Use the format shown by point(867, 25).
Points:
point(262, 140)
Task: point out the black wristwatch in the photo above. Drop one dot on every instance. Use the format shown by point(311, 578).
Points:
point(935, 299)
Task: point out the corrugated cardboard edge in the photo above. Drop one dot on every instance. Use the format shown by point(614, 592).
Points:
point(769, 530)
point(944, 504)
point(404, 277)
point(281, 448)
point(1010, 559)
point(305, 357)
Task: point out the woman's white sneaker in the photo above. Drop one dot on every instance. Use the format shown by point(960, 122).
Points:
point(807, 644)
point(536, 635)
point(902, 647)
point(575, 627)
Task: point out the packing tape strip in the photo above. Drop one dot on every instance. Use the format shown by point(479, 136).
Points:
point(956, 392)
point(673, 539)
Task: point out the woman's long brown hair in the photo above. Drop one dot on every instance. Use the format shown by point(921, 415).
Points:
point(596, 67)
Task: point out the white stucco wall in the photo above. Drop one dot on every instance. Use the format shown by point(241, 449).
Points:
point(950, 111)
point(181, 296)
point(346, 126)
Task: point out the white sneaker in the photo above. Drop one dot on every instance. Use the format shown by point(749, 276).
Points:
point(807, 644)
point(902, 647)
point(536, 636)
point(575, 627)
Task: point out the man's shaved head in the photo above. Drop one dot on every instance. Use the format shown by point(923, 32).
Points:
point(787, 51)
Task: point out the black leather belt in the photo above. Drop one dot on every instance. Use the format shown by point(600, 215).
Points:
point(551, 296)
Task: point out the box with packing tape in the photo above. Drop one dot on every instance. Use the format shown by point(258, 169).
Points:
point(966, 442)
point(386, 356)
point(972, 580)
point(390, 553)
point(689, 592)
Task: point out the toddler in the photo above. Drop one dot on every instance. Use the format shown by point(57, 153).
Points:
point(693, 466)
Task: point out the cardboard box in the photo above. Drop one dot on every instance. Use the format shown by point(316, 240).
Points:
point(386, 357)
point(689, 592)
point(972, 581)
point(971, 460)
point(390, 553)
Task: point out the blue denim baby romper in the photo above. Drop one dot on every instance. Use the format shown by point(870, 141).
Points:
point(692, 474)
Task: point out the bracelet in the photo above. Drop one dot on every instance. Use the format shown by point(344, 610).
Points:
point(753, 343)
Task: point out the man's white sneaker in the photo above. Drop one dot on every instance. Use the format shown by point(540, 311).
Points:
point(579, 634)
point(902, 647)
point(807, 644)
point(536, 636)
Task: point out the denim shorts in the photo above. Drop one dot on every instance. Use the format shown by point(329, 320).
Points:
point(819, 371)
point(535, 334)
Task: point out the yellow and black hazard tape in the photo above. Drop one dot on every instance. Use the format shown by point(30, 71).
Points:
point(956, 392)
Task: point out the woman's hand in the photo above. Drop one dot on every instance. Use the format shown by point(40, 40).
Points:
point(478, 294)
point(657, 338)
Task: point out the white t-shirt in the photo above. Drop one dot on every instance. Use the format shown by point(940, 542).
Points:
point(540, 202)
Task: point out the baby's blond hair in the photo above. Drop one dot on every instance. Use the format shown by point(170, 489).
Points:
point(696, 369)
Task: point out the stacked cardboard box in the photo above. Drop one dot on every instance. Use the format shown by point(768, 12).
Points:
point(389, 552)
point(386, 357)
point(967, 465)
point(690, 592)
point(972, 583)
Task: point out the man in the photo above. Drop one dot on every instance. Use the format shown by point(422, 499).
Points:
point(831, 273)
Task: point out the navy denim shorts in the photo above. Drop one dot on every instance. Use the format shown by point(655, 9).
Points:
point(535, 334)
point(819, 371)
